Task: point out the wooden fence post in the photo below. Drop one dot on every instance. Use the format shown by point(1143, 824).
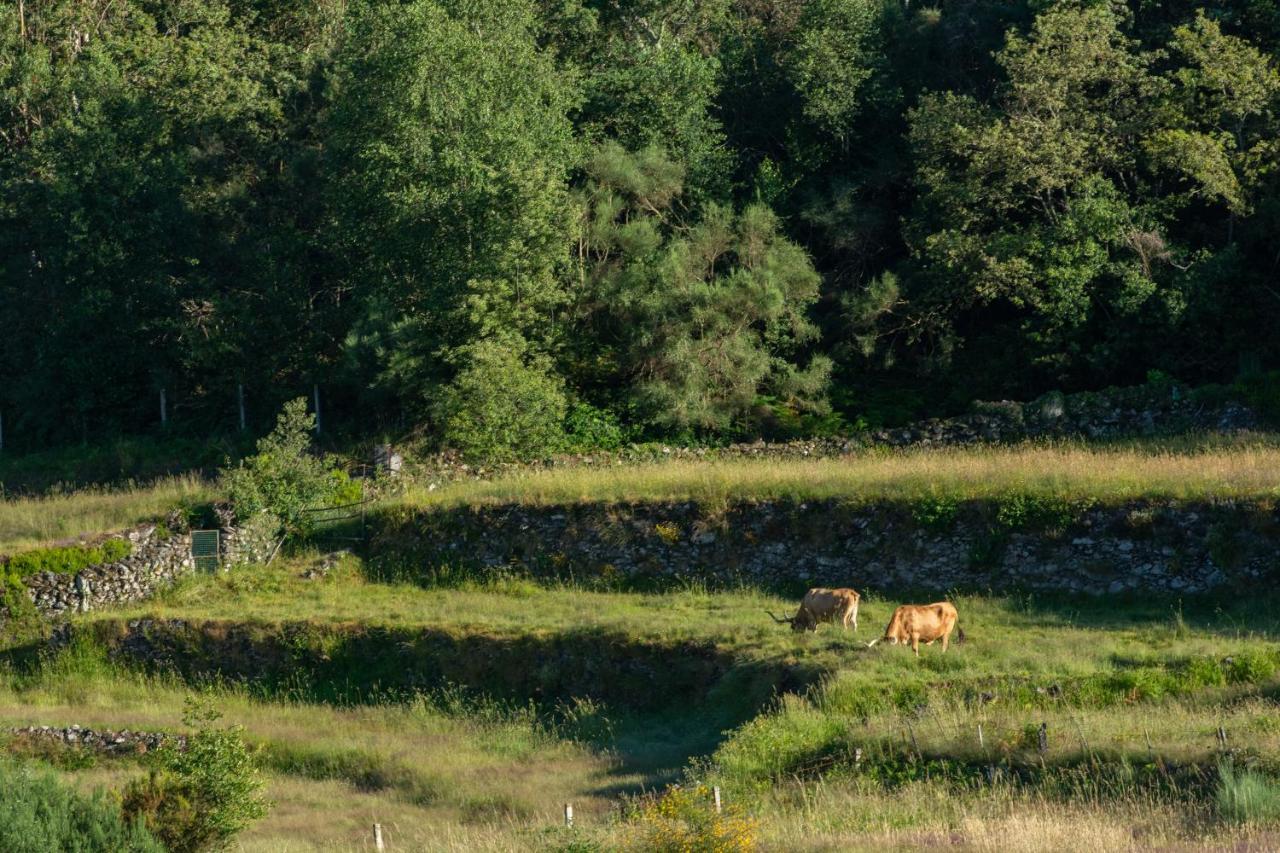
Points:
point(1222, 738)
point(716, 792)
point(568, 815)
point(982, 744)
point(1044, 739)
point(377, 837)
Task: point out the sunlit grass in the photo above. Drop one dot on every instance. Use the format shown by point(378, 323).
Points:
point(32, 522)
point(1108, 473)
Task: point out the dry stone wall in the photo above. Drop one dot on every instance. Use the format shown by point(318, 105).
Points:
point(1173, 548)
point(158, 557)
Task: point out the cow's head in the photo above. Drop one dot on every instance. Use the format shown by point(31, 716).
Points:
point(893, 634)
point(802, 621)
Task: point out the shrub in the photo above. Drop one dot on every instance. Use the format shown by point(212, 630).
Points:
point(1250, 667)
point(38, 814)
point(936, 512)
point(284, 478)
point(684, 820)
point(503, 405)
point(588, 428)
point(201, 797)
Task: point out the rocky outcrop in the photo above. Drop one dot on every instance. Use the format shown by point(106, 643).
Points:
point(1171, 548)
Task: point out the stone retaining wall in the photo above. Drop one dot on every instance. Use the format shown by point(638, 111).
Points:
point(157, 559)
point(1135, 547)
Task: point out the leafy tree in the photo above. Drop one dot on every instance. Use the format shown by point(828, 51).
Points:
point(451, 146)
point(503, 404)
point(285, 478)
point(202, 796)
point(700, 314)
point(1049, 201)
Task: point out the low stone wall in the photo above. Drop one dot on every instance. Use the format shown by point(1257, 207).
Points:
point(1078, 548)
point(114, 743)
point(157, 559)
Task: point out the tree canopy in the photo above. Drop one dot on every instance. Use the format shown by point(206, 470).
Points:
point(465, 218)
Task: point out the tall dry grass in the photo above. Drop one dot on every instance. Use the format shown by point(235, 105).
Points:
point(32, 522)
point(1067, 470)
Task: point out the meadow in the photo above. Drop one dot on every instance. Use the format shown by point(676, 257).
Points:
point(1181, 469)
point(881, 751)
point(1059, 723)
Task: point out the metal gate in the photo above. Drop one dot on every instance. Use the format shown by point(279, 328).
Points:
point(206, 550)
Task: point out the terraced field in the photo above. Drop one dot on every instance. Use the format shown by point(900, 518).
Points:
point(465, 718)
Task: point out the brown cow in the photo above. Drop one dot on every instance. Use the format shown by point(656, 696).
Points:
point(912, 623)
point(824, 605)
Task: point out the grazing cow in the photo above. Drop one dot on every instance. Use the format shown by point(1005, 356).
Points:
point(824, 605)
point(912, 623)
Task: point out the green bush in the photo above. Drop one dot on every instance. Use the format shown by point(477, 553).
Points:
point(284, 478)
point(588, 428)
point(68, 560)
point(201, 797)
point(503, 405)
point(38, 814)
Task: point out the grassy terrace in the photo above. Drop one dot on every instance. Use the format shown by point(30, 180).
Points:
point(859, 748)
point(1120, 686)
point(1179, 469)
point(33, 522)
point(1174, 469)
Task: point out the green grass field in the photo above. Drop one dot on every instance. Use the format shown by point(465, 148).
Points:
point(816, 741)
point(1120, 690)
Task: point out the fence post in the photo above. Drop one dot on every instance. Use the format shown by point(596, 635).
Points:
point(716, 791)
point(982, 744)
point(568, 815)
point(1222, 738)
point(377, 837)
point(1044, 739)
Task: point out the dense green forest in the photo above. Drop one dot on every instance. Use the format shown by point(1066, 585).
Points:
point(514, 224)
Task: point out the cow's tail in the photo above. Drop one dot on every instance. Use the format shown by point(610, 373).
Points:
point(959, 635)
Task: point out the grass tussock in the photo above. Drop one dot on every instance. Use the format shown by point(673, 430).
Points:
point(1072, 471)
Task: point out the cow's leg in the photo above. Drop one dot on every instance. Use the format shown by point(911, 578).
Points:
point(946, 639)
point(855, 617)
point(915, 644)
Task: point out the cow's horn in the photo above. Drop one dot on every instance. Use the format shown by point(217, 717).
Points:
point(780, 619)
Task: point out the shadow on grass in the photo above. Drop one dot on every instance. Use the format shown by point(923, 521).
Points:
point(654, 704)
point(1224, 614)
